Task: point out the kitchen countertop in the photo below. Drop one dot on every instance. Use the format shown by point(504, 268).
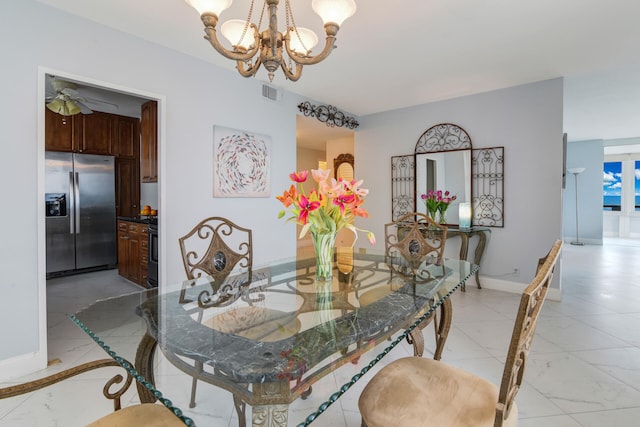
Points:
point(140, 220)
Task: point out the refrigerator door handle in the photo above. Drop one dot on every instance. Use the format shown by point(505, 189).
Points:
point(76, 188)
point(72, 204)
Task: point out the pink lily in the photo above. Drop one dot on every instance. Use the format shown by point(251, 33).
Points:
point(344, 200)
point(305, 207)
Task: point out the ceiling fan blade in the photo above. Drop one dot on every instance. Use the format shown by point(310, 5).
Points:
point(83, 108)
point(99, 101)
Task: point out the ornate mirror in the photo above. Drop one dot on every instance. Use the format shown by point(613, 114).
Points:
point(343, 167)
point(443, 162)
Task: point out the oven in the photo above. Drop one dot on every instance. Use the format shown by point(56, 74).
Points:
point(153, 254)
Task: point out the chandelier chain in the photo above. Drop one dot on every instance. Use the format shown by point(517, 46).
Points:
point(247, 23)
point(289, 12)
point(264, 7)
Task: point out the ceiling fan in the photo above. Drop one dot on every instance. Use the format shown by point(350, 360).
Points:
point(64, 98)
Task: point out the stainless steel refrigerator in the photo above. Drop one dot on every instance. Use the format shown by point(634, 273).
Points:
point(80, 212)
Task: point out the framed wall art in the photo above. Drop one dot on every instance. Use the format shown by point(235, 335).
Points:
point(241, 163)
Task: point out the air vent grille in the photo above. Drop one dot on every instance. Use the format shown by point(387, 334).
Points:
point(270, 93)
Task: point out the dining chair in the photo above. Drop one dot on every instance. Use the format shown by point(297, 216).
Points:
point(216, 247)
point(147, 414)
point(410, 241)
point(414, 391)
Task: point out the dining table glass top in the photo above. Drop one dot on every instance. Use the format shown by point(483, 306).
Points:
point(272, 334)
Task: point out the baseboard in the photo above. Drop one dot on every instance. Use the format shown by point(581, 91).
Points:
point(21, 365)
point(515, 287)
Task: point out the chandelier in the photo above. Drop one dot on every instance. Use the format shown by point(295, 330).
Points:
point(252, 47)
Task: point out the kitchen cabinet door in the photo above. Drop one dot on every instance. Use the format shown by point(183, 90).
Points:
point(149, 141)
point(127, 187)
point(59, 131)
point(126, 137)
point(128, 251)
point(95, 134)
point(133, 249)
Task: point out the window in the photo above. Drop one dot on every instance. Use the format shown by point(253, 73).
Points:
point(612, 186)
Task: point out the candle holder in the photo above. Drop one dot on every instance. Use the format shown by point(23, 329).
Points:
point(464, 215)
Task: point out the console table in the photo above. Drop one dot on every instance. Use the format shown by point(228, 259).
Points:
point(465, 235)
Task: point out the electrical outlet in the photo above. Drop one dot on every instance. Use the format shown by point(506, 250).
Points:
point(516, 271)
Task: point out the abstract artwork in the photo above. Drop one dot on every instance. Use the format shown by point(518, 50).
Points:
point(241, 162)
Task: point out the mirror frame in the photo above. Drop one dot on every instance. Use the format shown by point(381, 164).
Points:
point(441, 138)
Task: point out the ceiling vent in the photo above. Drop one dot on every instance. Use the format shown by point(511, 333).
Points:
point(271, 93)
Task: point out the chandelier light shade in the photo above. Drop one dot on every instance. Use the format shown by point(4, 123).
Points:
point(253, 46)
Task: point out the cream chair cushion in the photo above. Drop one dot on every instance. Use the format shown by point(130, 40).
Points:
point(145, 414)
point(413, 391)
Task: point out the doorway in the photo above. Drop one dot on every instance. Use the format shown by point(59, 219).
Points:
point(317, 145)
point(97, 100)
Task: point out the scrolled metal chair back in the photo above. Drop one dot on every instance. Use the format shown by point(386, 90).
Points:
point(523, 332)
point(413, 239)
point(215, 247)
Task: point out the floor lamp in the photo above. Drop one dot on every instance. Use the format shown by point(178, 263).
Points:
point(576, 172)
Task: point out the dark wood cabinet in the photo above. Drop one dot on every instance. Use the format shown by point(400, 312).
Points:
point(95, 134)
point(59, 131)
point(126, 137)
point(127, 187)
point(82, 133)
point(149, 141)
point(133, 246)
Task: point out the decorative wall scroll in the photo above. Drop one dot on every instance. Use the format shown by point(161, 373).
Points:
point(488, 186)
point(402, 185)
point(328, 114)
point(241, 163)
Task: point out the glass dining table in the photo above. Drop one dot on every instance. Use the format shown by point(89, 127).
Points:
point(272, 334)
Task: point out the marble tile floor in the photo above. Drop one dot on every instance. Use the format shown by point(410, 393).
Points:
point(584, 368)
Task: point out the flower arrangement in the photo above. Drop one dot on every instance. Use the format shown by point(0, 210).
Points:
point(438, 202)
point(329, 207)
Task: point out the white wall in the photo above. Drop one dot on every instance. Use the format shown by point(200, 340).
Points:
point(307, 159)
point(588, 155)
point(194, 96)
point(527, 121)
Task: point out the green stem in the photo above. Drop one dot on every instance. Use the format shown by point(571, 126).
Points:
point(323, 244)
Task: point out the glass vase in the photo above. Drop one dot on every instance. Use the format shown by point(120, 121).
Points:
point(323, 245)
point(442, 216)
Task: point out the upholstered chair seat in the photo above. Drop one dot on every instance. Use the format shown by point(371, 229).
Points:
point(416, 391)
point(145, 414)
